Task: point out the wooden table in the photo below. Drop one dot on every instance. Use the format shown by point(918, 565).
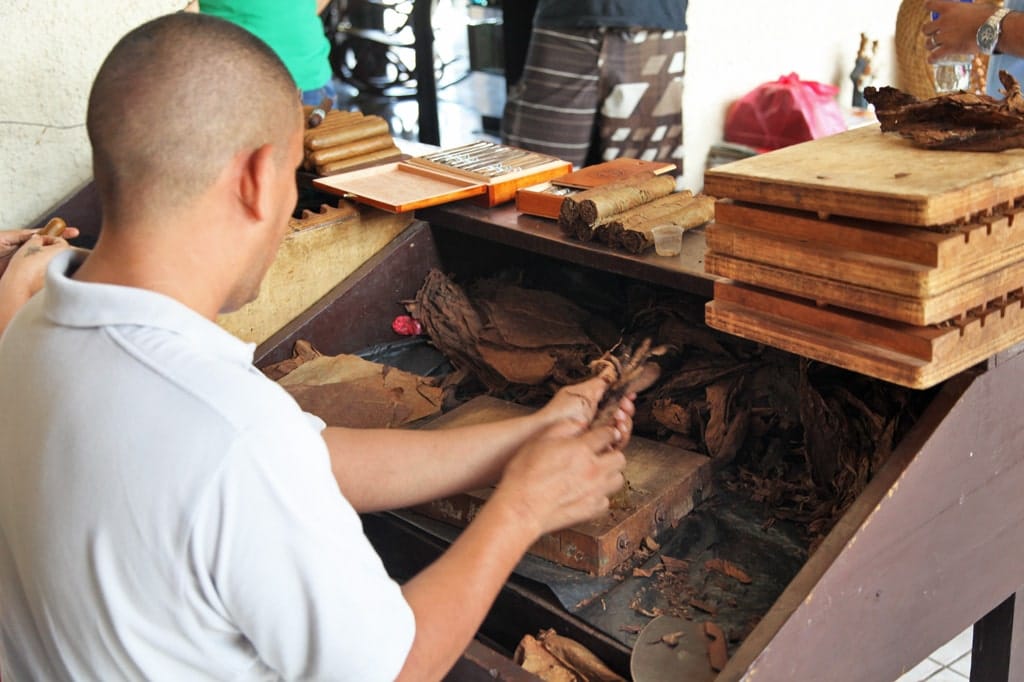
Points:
point(934, 544)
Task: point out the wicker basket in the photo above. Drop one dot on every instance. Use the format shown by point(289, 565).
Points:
point(913, 72)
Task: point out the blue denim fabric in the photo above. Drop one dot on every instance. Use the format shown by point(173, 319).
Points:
point(314, 97)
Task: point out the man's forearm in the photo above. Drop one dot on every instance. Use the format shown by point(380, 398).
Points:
point(1011, 38)
point(379, 469)
point(451, 597)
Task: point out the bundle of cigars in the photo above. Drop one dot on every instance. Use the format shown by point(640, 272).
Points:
point(623, 214)
point(336, 141)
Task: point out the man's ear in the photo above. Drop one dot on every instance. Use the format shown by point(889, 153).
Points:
point(256, 181)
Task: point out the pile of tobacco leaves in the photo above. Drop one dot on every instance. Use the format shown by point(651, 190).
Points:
point(801, 437)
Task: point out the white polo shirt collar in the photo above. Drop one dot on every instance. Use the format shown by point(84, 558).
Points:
point(70, 303)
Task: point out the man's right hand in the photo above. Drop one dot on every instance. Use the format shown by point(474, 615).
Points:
point(563, 477)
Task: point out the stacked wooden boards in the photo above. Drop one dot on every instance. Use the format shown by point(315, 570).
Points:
point(863, 251)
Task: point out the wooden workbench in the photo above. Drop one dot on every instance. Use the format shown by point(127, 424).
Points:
point(932, 545)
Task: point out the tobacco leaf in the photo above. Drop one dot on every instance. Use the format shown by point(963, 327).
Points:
point(347, 390)
point(577, 658)
point(531, 655)
point(302, 352)
point(961, 120)
point(672, 416)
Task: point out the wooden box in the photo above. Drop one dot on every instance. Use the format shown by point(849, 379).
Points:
point(486, 170)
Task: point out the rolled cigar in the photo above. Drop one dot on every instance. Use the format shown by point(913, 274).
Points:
point(608, 200)
point(580, 230)
point(603, 233)
point(569, 213)
point(689, 213)
point(660, 208)
point(317, 116)
point(54, 228)
point(333, 121)
point(344, 164)
point(370, 126)
point(322, 157)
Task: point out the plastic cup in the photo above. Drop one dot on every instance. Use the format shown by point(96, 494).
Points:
point(668, 240)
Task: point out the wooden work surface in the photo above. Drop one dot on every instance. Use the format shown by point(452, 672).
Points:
point(663, 484)
point(865, 174)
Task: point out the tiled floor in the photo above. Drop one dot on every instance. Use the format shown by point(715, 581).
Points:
point(950, 663)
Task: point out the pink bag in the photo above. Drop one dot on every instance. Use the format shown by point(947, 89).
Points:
point(784, 112)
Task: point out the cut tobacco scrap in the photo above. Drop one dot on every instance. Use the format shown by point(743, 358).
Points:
point(718, 654)
point(672, 638)
point(553, 657)
point(727, 568)
point(704, 606)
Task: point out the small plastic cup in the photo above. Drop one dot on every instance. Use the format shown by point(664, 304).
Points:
point(668, 239)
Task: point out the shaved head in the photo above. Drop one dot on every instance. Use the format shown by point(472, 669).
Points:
point(176, 99)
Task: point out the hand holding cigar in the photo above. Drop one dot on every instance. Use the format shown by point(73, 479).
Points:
point(56, 230)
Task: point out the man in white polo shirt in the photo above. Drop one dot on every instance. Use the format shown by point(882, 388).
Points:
point(166, 512)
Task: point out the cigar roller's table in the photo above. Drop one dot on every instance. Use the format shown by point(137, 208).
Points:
point(932, 545)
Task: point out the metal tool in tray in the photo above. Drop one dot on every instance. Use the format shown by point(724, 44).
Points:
point(487, 159)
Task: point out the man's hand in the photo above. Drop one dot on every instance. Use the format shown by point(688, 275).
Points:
point(23, 268)
point(955, 30)
point(563, 477)
point(578, 403)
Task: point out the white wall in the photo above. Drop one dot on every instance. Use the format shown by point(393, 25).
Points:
point(735, 45)
point(50, 53)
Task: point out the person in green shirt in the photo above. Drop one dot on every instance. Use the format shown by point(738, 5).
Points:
point(291, 28)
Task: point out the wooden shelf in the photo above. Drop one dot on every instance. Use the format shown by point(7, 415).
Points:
point(504, 225)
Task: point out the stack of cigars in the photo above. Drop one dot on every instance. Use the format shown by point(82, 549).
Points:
point(336, 141)
point(622, 214)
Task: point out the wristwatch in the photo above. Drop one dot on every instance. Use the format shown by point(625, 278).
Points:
point(988, 33)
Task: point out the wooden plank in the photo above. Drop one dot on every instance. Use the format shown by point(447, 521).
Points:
point(864, 174)
point(908, 309)
point(965, 244)
point(874, 272)
point(917, 357)
point(663, 484)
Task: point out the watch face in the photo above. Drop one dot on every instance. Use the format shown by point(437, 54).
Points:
point(986, 37)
